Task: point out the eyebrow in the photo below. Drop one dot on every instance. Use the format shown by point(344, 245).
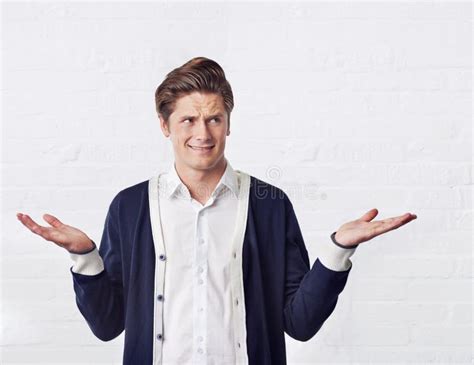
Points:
point(210, 117)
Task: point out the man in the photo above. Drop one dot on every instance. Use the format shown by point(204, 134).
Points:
point(204, 263)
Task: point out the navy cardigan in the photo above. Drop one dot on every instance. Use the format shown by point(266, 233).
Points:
point(282, 293)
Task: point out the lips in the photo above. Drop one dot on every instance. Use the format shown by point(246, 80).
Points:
point(201, 148)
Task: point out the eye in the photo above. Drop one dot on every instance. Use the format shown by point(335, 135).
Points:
point(216, 119)
point(186, 120)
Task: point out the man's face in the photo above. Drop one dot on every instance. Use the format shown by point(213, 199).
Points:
point(198, 120)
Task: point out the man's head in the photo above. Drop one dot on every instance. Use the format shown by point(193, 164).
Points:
point(194, 103)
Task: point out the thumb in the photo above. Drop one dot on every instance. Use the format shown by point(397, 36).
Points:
point(371, 214)
point(52, 220)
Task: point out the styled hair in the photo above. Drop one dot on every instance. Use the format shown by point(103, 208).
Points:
point(198, 74)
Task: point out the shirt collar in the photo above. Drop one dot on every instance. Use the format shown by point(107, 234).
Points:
point(174, 184)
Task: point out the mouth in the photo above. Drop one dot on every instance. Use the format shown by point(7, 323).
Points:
point(202, 148)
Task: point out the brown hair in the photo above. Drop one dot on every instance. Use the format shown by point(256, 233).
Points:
point(198, 74)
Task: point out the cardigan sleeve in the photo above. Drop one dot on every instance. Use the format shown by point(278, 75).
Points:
point(310, 294)
point(98, 285)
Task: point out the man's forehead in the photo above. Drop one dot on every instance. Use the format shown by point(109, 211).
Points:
point(211, 105)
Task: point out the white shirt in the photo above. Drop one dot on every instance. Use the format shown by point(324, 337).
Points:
point(197, 303)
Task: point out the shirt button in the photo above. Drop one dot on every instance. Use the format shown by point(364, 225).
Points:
point(201, 309)
point(162, 257)
point(200, 338)
point(159, 297)
point(159, 336)
point(200, 269)
point(201, 241)
point(200, 350)
point(200, 281)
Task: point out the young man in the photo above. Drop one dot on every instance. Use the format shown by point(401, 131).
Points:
point(204, 263)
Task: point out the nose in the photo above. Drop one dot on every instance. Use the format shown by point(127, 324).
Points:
point(202, 131)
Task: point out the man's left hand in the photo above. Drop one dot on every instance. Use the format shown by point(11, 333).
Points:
point(362, 229)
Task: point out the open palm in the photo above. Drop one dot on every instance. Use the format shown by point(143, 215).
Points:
point(68, 237)
point(362, 229)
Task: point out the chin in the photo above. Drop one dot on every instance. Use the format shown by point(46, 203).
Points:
point(203, 163)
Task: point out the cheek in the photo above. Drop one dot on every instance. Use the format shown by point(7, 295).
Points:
point(178, 143)
point(179, 140)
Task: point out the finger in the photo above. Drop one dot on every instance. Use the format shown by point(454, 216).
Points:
point(402, 219)
point(406, 216)
point(33, 226)
point(371, 214)
point(52, 220)
point(392, 223)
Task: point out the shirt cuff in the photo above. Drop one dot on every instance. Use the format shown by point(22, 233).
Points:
point(336, 257)
point(89, 263)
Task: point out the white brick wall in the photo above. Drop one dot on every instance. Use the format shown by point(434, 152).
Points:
point(346, 106)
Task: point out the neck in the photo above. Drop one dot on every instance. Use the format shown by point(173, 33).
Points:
point(201, 183)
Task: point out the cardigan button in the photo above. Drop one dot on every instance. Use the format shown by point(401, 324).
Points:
point(238, 344)
point(162, 257)
point(159, 336)
point(236, 302)
point(235, 255)
point(160, 297)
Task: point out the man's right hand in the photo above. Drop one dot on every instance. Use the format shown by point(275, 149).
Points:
point(70, 238)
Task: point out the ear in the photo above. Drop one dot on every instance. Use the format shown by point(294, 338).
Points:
point(164, 126)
